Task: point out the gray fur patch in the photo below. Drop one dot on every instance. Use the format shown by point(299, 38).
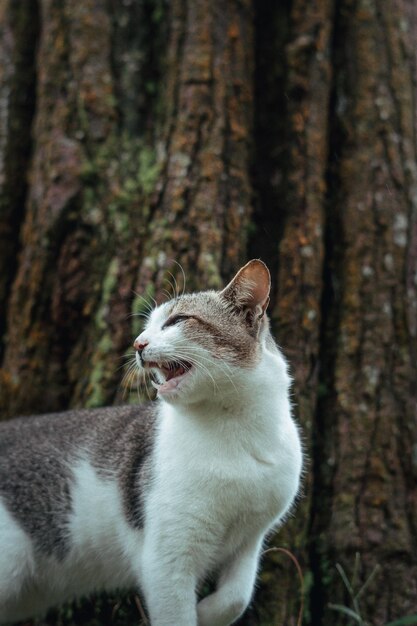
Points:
point(122, 448)
point(37, 453)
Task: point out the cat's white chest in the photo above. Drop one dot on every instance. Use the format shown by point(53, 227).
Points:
point(216, 488)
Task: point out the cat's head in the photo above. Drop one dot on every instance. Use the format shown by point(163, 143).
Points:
point(192, 345)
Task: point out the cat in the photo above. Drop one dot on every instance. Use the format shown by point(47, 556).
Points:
point(163, 496)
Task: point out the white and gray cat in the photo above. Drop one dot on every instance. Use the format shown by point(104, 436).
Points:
point(162, 496)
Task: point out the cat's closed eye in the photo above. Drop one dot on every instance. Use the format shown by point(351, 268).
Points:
point(175, 319)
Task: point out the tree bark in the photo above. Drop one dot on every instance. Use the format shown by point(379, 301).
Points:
point(366, 419)
point(138, 134)
point(293, 92)
point(18, 33)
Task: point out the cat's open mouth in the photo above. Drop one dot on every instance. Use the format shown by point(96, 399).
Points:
point(167, 374)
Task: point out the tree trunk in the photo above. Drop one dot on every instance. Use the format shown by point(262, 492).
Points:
point(205, 133)
point(365, 493)
point(18, 34)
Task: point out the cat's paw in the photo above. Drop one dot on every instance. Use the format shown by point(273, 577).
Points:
point(218, 610)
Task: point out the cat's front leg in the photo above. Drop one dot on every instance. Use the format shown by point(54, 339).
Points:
point(169, 588)
point(234, 589)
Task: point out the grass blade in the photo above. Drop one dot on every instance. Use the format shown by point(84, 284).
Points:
point(346, 611)
point(345, 580)
point(368, 581)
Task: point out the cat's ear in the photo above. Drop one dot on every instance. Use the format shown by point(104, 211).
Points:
point(248, 291)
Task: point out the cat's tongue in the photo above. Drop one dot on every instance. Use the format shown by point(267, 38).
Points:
point(168, 385)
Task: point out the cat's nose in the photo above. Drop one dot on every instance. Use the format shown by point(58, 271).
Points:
point(140, 343)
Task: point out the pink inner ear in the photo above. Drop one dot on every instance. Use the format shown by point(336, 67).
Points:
point(250, 287)
point(257, 275)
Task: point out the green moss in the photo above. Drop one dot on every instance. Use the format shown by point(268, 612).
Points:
point(100, 372)
point(99, 367)
point(119, 175)
point(141, 306)
point(109, 284)
point(149, 169)
point(88, 173)
point(96, 395)
point(159, 11)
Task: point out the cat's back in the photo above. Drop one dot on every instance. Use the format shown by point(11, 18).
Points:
point(107, 435)
point(41, 457)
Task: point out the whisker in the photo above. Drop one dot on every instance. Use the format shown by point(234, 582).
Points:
point(187, 353)
point(127, 379)
point(135, 375)
point(130, 370)
point(212, 360)
point(172, 288)
point(145, 315)
point(176, 290)
point(196, 364)
point(166, 294)
point(148, 305)
point(124, 356)
point(184, 280)
point(122, 366)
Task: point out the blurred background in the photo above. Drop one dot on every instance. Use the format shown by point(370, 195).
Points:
point(135, 134)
